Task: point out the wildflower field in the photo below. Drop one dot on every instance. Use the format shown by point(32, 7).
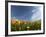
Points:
point(20, 25)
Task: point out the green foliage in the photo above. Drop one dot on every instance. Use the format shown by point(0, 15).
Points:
point(23, 27)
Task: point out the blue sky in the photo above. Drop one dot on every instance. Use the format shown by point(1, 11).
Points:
point(25, 12)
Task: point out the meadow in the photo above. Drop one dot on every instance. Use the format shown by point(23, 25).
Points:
point(20, 25)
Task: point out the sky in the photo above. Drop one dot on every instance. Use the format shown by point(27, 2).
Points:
point(25, 12)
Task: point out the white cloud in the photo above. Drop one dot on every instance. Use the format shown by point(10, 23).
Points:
point(35, 9)
point(36, 14)
point(14, 17)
